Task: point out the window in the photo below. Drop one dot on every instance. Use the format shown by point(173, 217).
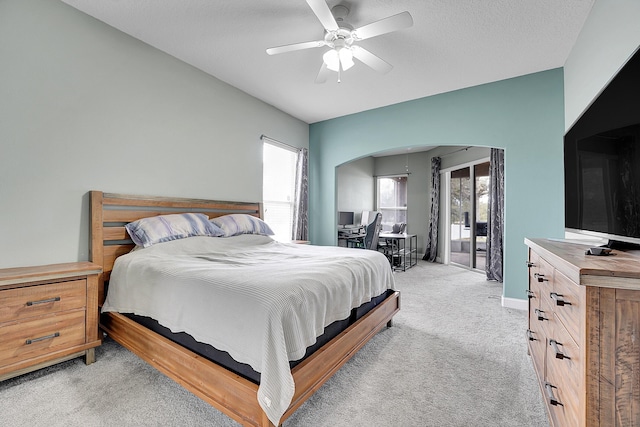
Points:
point(392, 200)
point(278, 188)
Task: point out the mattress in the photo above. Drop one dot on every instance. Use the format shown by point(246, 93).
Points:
point(287, 295)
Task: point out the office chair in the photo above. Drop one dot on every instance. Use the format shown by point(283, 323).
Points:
point(370, 239)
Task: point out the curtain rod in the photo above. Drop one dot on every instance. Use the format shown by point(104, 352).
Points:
point(455, 151)
point(276, 142)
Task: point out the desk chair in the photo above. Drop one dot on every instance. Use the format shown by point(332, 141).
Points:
point(370, 239)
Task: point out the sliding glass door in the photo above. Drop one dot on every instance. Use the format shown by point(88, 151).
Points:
point(459, 209)
point(468, 212)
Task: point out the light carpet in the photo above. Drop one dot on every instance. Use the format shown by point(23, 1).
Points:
point(454, 357)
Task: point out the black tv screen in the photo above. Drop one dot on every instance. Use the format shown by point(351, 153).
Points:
point(602, 162)
point(345, 218)
point(602, 174)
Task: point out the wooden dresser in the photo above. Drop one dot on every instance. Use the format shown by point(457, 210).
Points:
point(48, 314)
point(584, 333)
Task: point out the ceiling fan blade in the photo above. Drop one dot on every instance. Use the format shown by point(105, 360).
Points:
point(371, 60)
point(383, 26)
point(295, 46)
point(322, 11)
point(322, 74)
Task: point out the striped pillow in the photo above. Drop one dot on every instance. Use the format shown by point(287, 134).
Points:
point(235, 224)
point(163, 228)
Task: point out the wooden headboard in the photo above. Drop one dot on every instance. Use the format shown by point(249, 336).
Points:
point(111, 212)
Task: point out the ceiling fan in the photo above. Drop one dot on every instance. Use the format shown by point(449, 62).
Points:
point(341, 39)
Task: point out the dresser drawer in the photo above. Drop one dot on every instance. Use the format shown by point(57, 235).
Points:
point(539, 328)
point(562, 414)
point(544, 273)
point(564, 367)
point(534, 262)
point(566, 299)
point(540, 282)
point(536, 290)
point(537, 342)
point(31, 301)
point(32, 338)
point(539, 269)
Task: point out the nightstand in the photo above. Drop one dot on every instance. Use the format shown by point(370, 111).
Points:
point(48, 314)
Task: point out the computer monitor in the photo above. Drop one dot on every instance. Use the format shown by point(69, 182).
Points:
point(345, 218)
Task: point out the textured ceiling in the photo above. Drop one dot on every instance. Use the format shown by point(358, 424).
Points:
point(452, 45)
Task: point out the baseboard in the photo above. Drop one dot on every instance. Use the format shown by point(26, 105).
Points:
point(518, 304)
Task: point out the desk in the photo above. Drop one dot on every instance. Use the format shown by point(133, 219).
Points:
point(401, 249)
point(348, 233)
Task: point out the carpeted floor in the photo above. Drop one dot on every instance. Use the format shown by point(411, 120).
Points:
point(454, 357)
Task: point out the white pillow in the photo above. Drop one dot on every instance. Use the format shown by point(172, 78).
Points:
point(235, 224)
point(163, 228)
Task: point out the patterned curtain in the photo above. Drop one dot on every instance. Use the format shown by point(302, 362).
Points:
point(301, 203)
point(495, 222)
point(432, 238)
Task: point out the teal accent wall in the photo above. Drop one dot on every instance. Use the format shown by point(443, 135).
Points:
point(523, 115)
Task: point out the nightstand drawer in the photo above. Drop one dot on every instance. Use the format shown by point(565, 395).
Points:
point(30, 301)
point(32, 338)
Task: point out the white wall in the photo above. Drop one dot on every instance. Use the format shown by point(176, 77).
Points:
point(608, 39)
point(418, 165)
point(356, 187)
point(86, 107)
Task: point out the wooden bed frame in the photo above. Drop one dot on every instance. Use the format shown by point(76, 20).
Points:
point(221, 388)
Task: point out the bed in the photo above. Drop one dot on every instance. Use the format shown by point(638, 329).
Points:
point(235, 393)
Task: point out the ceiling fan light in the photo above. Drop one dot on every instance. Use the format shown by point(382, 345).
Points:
point(332, 60)
point(346, 58)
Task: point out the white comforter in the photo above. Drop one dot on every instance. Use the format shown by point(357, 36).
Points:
point(278, 297)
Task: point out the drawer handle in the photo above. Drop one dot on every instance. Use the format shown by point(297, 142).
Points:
point(530, 335)
point(559, 355)
point(47, 337)
point(540, 277)
point(540, 314)
point(43, 301)
point(530, 294)
point(530, 264)
point(552, 399)
point(559, 299)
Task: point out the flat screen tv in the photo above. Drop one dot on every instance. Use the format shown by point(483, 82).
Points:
point(602, 163)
